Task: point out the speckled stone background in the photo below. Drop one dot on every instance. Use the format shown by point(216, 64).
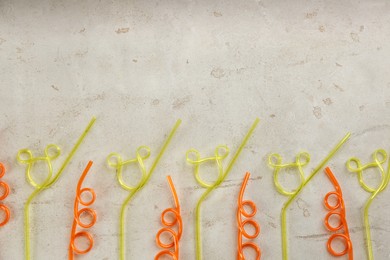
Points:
point(310, 70)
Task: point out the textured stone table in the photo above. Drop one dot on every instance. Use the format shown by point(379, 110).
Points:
point(310, 72)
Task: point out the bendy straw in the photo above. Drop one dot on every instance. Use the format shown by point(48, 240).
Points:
point(379, 158)
point(115, 161)
point(52, 151)
point(302, 159)
point(221, 152)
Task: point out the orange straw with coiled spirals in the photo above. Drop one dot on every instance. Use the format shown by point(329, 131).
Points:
point(77, 216)
point(339, 210)
point(5, 188)
point(248, 221)
point(170, 223)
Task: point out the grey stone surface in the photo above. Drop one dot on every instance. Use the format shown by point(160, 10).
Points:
point(310, 70)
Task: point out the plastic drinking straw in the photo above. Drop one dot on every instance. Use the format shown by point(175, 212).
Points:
point(222, 174)
point(176, 221)
point(241, 212)
point(114, 160)
point(52, 151)
point(77, 216)
point(5, 188)
point(275, 161)
point(338, 210)
point(379, 158)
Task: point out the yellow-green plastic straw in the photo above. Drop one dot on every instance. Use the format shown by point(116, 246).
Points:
point(292, 195)
point(47, 182)
point(385, 176)
point(118, 165)
point(222, 174)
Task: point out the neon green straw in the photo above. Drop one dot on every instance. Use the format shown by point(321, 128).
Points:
point(25, 156)
point(114, 160)
point(292, 195)
point(379, 158)
point(221, 177)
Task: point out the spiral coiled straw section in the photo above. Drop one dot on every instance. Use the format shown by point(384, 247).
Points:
point(73, 249)
point(169, 224)
point(241, 212)
point(338, 210)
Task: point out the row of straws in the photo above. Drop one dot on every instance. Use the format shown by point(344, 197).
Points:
point(171, 217)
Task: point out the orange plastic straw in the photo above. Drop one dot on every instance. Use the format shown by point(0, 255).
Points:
point(338, 210)
point(77, 216)
point(5, 188)
point(248, 221)
point(175, 212)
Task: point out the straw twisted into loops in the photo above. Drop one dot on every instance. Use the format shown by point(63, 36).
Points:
point(114, 160)
point(52, 151)
point(379, 157)
point(25, 156)
point(193, 157)
point(241, 212)
point(4, 186)
point(337, 209)
point(86, 211)
point(302, 159)
point(169, 224)
point(275, 161)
